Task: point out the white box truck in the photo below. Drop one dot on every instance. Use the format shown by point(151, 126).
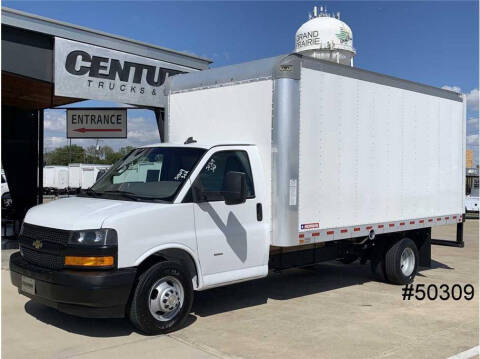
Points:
point(74, 177)
point(55, 179)
point(83, 176)
point(89, 173)
point(272, 164)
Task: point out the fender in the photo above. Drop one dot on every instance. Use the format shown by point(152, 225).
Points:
point(163, 246)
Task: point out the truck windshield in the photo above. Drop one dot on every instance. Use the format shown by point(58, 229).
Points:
point(154, 173)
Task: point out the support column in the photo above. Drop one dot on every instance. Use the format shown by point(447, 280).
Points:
point(160, 116)
point(40, 155)
point(20, 156)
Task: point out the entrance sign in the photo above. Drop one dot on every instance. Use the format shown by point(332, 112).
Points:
point(96, 123)
point(92, 72)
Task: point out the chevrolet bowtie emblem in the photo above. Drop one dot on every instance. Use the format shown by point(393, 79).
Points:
point(37, 244)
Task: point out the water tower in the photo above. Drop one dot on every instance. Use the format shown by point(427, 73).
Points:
point(324, 36)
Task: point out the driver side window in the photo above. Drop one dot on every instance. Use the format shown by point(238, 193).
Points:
point(211, 178)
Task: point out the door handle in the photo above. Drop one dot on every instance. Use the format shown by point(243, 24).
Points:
point(259, 212)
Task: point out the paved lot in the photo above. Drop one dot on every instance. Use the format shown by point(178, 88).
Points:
point(331, 311)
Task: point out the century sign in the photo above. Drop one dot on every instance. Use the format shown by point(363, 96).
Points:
point(92, 72)
point(96, 123)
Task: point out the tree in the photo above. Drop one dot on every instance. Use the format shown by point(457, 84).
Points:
point(126, 150)
point(64, 155)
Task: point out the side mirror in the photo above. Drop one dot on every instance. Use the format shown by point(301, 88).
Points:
point(235, 188)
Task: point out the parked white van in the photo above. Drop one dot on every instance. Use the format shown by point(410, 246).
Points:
point(5, 193)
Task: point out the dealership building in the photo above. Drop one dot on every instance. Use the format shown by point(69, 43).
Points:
point(48, 63)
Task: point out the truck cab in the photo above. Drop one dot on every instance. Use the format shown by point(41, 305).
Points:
point(164, 221)
point(472, 199)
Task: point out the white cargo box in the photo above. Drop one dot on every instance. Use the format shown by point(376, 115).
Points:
point(55, 177)
point(89, 174)
point(74, 175)
point(345, 150)
point(83, 175)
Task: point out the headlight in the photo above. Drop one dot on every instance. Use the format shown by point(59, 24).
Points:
point(94, 237)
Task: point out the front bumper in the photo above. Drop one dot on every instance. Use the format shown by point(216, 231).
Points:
point(93, 294)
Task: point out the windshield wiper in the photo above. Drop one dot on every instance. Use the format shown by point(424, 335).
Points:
point(125, 194)
point(90, 191)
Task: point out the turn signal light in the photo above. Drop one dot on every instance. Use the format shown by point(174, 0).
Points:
point(89, 261)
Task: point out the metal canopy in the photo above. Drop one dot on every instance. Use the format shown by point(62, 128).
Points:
point(28, 58)
point(52, 27)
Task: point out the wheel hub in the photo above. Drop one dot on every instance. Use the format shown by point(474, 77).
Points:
point(407, 262)
point(166, 298)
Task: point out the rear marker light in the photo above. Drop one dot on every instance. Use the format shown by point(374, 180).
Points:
point(439, 219)
point(344, 231)
point(356, 229)
point(412, 222)
point(391, 224)
point(330, 232)
point(316, 234)
point(421, 221)
point(301, 235)
point(369, 227)
point(454, 217)
point(447, 217)
point(430, 220)
point(380, 226)
point(402, 223)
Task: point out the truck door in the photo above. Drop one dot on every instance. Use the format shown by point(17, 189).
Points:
point(229, 237)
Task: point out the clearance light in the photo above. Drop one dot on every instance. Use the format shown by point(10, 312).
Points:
point(89, 261)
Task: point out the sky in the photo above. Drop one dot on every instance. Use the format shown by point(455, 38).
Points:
point(433, 42)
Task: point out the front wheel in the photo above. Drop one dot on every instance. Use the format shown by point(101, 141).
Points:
point(162, 299)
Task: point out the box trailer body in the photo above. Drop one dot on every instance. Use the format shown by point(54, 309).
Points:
point(83, 176)
point(345, 151)
point(281, 162)
point(55, 178)
point(74, 176)
point(99, 171)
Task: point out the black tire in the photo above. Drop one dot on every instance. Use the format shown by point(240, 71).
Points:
point(139, 312)
point(377, 265)
point(393, 263)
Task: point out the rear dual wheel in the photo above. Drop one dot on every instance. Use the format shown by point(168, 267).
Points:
point(398, 264)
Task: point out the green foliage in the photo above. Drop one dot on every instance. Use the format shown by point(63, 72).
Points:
point(65, 155)
point(62, 156)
